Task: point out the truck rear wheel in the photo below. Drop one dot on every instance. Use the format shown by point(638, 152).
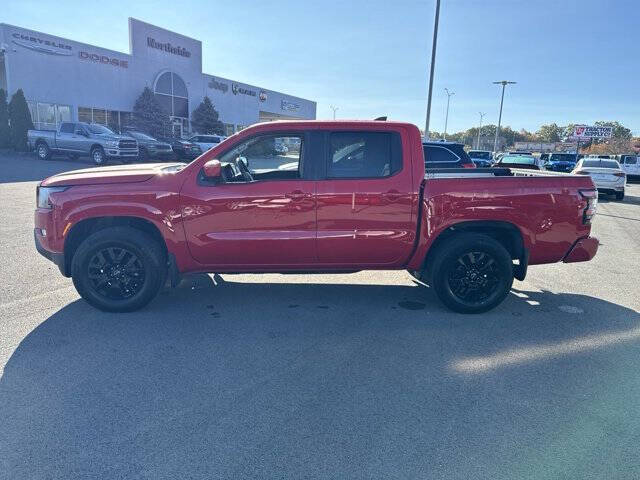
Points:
point(472, 273)
point(43, 151)
point(119, 269)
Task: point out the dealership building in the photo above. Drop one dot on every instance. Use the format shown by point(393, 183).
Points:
point(66, 80)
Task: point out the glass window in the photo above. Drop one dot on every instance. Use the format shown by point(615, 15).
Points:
point(125, 119)
point(267, 157)
point(630, 160)
point(84, 114)
point(46, 114)
point(99, 129)
point(163, 85)
point(240, 127)
point(64, 113)
point(165, 103)
point(518, 159)
point(113, 120)
point(228, 129)
point(361, 155)
point(179, 88)
point(180, 107)
point(33, 111)
point(99, 116)
point(67, 127)
point(433, 154)
point(601, 163)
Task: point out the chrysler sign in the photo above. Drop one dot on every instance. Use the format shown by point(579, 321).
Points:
point(42, 45)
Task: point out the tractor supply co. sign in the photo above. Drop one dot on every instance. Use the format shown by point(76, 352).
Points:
point(584, 132)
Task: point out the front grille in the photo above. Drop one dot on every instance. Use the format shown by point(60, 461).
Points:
point(127, 144)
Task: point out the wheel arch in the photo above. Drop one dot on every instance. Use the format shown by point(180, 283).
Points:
point(505, 233)
point(81, 230)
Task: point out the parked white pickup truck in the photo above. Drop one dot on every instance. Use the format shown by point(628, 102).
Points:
point(76, 139)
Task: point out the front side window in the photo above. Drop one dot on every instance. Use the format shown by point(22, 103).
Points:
point(436, 154)
point(67, 128)
point(363, 155)
point(267, 157)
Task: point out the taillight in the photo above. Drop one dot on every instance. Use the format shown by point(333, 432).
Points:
point(620, 174)
point(591, 197)
point(581, 172)
point(469, 165)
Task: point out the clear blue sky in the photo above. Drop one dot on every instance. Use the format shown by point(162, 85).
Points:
point(574, 61)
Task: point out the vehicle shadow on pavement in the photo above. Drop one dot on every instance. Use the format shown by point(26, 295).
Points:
point(228, 379)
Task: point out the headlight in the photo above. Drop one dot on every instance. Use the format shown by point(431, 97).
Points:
point(43, 195)
point(112, 143)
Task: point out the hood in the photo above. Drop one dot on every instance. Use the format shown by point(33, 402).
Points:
point(111, 174)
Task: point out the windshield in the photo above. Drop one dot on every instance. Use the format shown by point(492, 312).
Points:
point(141, 136)
point(99, 129)
point(601, 164)
point(563, 157)
point(520, 159)
point(480, 154)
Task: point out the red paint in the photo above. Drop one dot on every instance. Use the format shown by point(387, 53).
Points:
point(321, 224)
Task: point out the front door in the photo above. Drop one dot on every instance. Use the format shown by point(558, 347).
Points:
point(365, 201)
point(261, 214)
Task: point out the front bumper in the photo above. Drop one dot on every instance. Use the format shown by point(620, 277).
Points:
point(121, 152)
point(56, 258)
point(582, 251)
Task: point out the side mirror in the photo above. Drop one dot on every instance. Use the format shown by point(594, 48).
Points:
point(212, 169)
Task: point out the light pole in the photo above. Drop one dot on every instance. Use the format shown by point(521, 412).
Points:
point(446, 118)
point(504, 83)
point(433, 64)
point(479, 128)
point(334, 110)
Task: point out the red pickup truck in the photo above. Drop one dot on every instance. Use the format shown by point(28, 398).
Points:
point(311, 196)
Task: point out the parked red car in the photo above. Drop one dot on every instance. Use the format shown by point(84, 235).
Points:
point(342, 196)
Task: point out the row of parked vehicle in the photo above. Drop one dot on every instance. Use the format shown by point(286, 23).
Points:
point(79, 139)
point(608, 172)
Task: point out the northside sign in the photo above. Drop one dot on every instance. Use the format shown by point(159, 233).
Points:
point(167, 47)
point(585, 132)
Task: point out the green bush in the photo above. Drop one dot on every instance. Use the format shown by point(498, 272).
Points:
point(148, 115)
point(205, 119)
point(19, 121)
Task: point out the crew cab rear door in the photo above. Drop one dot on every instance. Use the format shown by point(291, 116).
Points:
point(267, 220)
point(364, 199)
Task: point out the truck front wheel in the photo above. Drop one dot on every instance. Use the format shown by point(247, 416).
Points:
point(43, 151)
point(97, 155)
point(119, 269)
point(471, 273)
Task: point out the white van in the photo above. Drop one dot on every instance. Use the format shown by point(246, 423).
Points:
point(630, 164)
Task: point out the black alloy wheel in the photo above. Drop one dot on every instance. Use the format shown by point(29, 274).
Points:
point(116, 273)
point(474, 278)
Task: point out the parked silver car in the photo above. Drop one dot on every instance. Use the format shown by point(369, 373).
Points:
point(606, 174)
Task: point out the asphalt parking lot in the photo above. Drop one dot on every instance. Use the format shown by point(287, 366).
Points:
point(319, 376)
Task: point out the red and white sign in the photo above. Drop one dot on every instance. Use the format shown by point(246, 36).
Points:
point(585, 132)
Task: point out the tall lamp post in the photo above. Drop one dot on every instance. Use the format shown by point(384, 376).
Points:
point(504, 83)
point(479, 128)
point(334, 110)
point(446, 118)
point(433, 64)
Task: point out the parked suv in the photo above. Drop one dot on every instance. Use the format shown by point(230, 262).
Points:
point(151, 148)
point(446, 155)
point(78, 139)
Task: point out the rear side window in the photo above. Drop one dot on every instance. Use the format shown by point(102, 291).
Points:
point(436, 154)
point(630, 160)
point(66, 127)
point(364, 154)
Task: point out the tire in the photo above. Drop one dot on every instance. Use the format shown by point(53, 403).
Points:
point(119, 284)
point(98, 156)
point(471, 273)
point(43, 151)
point(143, 155)
point(620, 195)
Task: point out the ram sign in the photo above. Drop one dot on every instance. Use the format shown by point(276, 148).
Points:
point(584, 132)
